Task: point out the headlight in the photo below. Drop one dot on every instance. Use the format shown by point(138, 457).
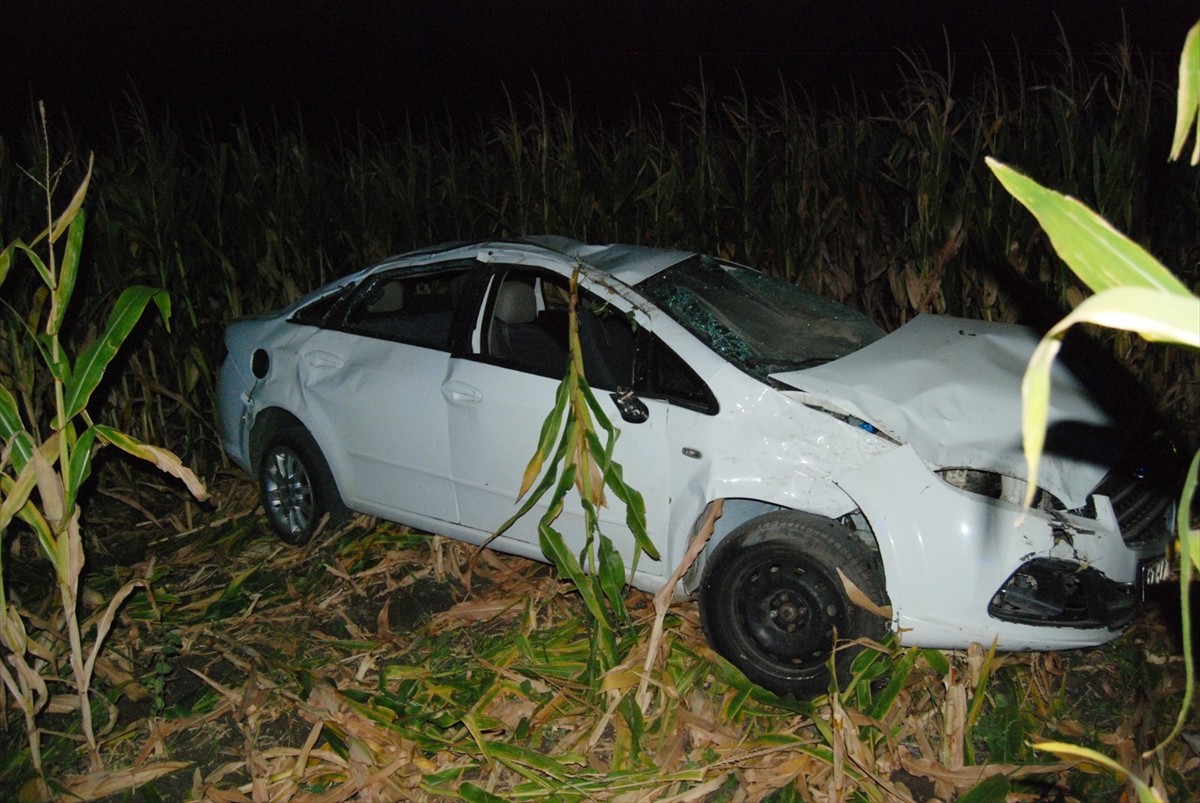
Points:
point(994, 485)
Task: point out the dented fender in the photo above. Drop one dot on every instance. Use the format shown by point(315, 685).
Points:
point(946, 553)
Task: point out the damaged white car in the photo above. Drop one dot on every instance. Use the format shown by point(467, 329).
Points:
point(415, 389)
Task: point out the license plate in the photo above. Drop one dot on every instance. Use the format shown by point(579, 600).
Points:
point(1153, 572)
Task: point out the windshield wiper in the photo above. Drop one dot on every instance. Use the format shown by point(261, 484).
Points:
point(770, 366)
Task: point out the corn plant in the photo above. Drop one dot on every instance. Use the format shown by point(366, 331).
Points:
point(572, 454)
point(45, 460)
point(1133, 292)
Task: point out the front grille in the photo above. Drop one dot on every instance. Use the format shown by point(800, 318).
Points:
point(1142, 507)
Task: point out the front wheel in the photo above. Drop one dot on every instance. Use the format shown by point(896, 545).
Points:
point(772, 603)
point(297, 486)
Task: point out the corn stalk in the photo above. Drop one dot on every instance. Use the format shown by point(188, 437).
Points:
point(41, 477)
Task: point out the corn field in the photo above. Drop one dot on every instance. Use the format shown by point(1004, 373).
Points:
point(885, 204)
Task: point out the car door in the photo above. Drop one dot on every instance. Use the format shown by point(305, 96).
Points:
point(372, 382)
point(500, 393)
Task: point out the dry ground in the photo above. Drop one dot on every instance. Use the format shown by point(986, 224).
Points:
point(381, 664)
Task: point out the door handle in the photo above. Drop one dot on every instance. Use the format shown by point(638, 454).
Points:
point(461, 393)
point(323, 359)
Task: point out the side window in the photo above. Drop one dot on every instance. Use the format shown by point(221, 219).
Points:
point(661, 373)
point(527, 329)
point(416, 309)
point(315, 312)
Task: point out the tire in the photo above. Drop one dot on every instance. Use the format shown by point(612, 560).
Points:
point(297, 487)
point(771, 600)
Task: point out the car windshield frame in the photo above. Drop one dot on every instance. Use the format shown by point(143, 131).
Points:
point(761, 324)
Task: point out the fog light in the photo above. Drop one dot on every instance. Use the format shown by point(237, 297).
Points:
point(1052, 591)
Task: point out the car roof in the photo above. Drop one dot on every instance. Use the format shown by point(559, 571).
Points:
point(629, 264)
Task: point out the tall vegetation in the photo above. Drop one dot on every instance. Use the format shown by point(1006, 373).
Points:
point(49, 441)
point(887, 206)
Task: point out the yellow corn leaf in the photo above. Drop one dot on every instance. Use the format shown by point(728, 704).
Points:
point(72, 209)
point(1144, 792)
point(164, 459)
point(49, 487)
point(1187, 109)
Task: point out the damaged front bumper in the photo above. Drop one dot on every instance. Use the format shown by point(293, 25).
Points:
point(961, 566)
point(1062, 593)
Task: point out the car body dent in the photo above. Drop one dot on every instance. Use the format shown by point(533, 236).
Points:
point(952, 388)
point(932, 401)
point(946, 552)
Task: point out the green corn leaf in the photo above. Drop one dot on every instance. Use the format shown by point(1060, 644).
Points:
point(12, 430)
point(68, 272)
point(1183, 515)
point(1189, 552)
point(900, 670)
point(58, 364)
point(68, 215)
point(5, 262)
point(92, 363)
point(474, 794)
point(1144, 792)
point(1152, 314)
point(16, 502)
point(81, 465)
point(164, 459)
point(473, 728)
point(548, 481)
point(1187, 108)
point(522, 760)
point(602, 419)
point(635, 508)
point(555, 548)
point(38, 264)
point(994, 789)
point(937, 661)
point(1099, 254)
point(550, 429)
point(612, 578)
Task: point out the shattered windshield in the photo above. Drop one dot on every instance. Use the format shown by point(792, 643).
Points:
point(761, 324)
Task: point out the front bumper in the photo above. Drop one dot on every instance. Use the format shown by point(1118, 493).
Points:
point(962, 567)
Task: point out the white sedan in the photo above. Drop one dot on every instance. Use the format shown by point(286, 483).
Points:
point(415, 389)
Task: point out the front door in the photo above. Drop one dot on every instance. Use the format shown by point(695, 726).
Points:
point(499, 396)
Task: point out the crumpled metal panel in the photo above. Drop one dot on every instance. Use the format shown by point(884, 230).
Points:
point(952, 388)
point(945, 553)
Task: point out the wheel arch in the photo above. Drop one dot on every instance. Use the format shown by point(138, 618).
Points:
point(737, 511)
point(267, 424)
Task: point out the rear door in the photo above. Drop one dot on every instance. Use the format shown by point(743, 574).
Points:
point(373, 387)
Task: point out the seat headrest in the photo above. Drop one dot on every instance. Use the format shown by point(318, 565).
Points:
point(515, 303)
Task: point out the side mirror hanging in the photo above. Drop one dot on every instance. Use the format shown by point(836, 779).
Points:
point(632, 408)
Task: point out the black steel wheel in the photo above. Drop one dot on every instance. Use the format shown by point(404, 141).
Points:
point(297, 487)
point(772, 603)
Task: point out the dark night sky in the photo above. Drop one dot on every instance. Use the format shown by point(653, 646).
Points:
point(336, 59)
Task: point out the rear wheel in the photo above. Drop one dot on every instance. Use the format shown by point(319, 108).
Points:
point(297, 486)
point(771, 600)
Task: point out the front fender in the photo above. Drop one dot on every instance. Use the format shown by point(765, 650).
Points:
point(947, 552)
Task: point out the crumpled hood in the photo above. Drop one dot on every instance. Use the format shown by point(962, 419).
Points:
point(951, 388)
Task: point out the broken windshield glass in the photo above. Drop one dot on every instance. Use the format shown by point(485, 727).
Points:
point(760, 323)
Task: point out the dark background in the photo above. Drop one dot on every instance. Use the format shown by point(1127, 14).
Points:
point(338, 62)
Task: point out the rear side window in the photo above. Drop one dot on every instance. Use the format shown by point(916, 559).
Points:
point(410, 309)
point(315, 313)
